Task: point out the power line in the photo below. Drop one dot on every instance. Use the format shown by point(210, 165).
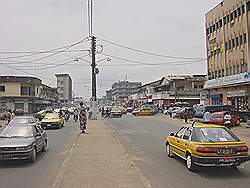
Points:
point(153, 64)
point(55, 53)
point(34, 53)
point(55, 64)
point(149, 53)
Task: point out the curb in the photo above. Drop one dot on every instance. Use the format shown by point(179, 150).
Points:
point(62, 169)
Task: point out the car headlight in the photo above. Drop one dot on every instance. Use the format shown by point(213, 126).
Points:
point(24, 148)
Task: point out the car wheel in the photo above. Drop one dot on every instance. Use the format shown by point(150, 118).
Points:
point(45, 146)
point(33, 156)
point(190, 164)
point(169, 150)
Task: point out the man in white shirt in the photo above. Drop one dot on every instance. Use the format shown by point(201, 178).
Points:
point(206, 117)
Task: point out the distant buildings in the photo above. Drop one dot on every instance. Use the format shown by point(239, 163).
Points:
point(27, 93)
point(64, 88)
point(227, 34)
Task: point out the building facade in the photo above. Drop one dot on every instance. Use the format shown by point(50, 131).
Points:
point(227, 39)
point(26, 93)
point(122, 89)
point(64, 88)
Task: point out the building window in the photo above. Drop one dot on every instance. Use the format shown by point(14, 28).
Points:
point(215, 74)
point(229, 45)
point(231, 71)
point(227, 71)
point(241, 40)
point(245, 38)
point(225, 20)
point(2, 88)
point(207, 31)
point(231, 17)
point(235, 14)
point(228, 20)
point(25, 90)
point(213, 27)
point(243, 9)
point(233, 43)
point(237, 41)
point(238, 68)
point(239, 11)
point(219, 75)
point(220, 23)
point(217, 25)
point(226, 46)
point(222, 72)
point(234, 69)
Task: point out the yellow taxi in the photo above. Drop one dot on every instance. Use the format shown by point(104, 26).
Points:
point(144, 112)
point(207, 145)
point(52, 120)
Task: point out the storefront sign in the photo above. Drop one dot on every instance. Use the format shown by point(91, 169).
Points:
point(228, 80)
point(236, 93)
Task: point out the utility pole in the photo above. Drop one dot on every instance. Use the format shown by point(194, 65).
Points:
point(94, 72)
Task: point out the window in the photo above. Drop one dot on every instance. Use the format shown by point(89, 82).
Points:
point(220, 23)
point(213, 27)
point(238, 68)
point(180, 132)
point(2, 88)
point(243, 9)
point(227, 71)
point(219, 73)
point(239, 11)
point(241, 40)
point(215, 74)
point(222, 72)
point(187, 134)
point(231, 17)
point(234, 69)
point(231, 71)
point(235, 14)
point(233, 43)
point(228, 20)
point(229, 45)
point(237, 41)
point(25, 90)
point(245, 38)
point(226, 46)
point(217, 25)
point(207, 31)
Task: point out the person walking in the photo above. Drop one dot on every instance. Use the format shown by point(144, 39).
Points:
point(8, 116)
point(206, 117)
point(82, 118)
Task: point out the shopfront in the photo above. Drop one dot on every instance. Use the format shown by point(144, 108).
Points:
point(238, 98)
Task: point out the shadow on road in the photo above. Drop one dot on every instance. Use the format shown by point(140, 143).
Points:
point(22, 163)
point(218, 172)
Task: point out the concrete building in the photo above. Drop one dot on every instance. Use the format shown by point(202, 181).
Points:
point(227, 34)
point(109, 95)
point(122, 89)
point(64, 88)
point(27, 93)
point(171, 89)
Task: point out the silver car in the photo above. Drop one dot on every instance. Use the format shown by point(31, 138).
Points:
point(22, 142)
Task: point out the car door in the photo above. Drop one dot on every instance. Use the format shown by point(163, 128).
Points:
point(184, 142)
point(177, 140)
point(38, 137)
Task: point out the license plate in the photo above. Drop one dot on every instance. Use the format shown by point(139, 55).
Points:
point(226, 151)
point(48, 125)
point(6, 156)
point(227, 160)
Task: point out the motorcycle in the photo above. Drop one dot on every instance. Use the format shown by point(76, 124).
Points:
point(66, 117)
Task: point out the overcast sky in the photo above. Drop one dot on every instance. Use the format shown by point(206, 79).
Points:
point(168, 27)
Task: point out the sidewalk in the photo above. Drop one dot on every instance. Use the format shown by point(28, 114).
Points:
point(97, 160)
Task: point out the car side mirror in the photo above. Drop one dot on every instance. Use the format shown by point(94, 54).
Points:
point(172, 134)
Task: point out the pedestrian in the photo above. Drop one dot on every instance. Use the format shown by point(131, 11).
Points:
point(227, 119)
point(206, 117)
point(186, 115)
point(82, 118)
point(13, 115)
point(8, 116)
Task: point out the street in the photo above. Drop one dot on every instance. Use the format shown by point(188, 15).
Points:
point(42, 173)
point(143, 139)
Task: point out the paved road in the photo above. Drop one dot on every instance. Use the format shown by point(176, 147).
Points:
point(42, 173)
point(143, 139)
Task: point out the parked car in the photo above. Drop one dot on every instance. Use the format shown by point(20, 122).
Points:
point(150, 106)
point(144, 112)
point(218, 118)
point(41, 114)
point(207, 145)
point(130, 109)
point(244, 115)
point(22, 142)
point(52, 120)
point(173, 111)
point(115, 112)
point(181, 112)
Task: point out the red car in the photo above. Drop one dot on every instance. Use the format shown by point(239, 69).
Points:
point(218, 118)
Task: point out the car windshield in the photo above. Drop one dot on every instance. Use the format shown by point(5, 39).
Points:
point(213, 134)
point(52, 116)
point(20, 120)
point(16, 132)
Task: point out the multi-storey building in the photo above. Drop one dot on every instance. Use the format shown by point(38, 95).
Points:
point(64, 88)
point(122, 89)
point(27, 93)
point(227, 34)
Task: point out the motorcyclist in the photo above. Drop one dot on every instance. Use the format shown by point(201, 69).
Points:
point(82, 118)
